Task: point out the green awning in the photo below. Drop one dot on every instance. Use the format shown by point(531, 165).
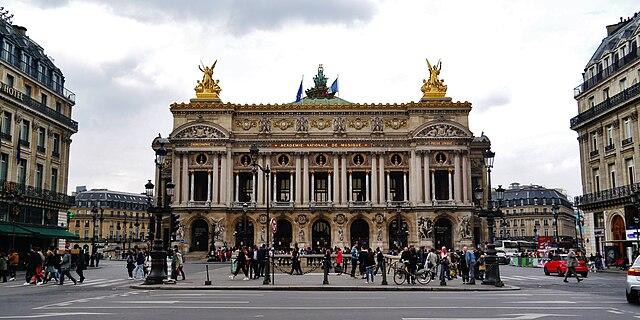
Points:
point(44, 232)
point(8, 229)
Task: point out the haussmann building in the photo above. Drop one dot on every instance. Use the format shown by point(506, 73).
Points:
point(378, 174)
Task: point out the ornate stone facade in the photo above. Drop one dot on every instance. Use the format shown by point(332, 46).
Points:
point(384, 175)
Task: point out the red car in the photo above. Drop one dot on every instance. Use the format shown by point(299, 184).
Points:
point(559, 265)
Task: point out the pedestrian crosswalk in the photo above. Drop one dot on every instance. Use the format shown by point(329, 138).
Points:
point(528, 278)
point(92, 283)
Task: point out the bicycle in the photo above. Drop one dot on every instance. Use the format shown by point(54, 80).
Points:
point(401, 274)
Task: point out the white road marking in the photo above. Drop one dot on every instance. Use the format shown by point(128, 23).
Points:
point(209, 294)
point(48, 315)
point(178, 301)
point(615, 311)
point(543, 302)
point(526, 316)
point(326, 307)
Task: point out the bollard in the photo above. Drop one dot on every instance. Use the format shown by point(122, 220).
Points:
point(208, 281)
point(384, 272)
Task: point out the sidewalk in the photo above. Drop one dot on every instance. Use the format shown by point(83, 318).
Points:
point(313, 282)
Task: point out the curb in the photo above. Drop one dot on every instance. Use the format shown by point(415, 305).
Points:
point(324, 288)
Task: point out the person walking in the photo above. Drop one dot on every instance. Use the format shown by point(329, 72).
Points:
point(379, 261)
point(262, 260)
point(572, 263)
point(354, 259)
point(14, 260)
point(463, 267)
point(3, 266)
point(444, 266)
point(339, 260)
point(470, 260)
point(51, 270)
point(65, 266)
point(81, 264)
point(241, 261)
point(179, 263)
point(295, 263)
point(131, 264)
point(370, 265)
point(138, 272)
point(432, 262)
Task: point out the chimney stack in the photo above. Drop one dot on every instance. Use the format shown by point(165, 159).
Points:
point(20, 30)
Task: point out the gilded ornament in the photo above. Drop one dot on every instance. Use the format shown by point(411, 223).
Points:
point(302, 125)
point(208, 88)
point(358, 123)
point(246, 124)
point(434, 87)
point(283, 124)
point(265, 125)
point(339, 125)
point(442, 131)
point(320, 123)
point(377, 125)
point(396, 123)
point(199, 131)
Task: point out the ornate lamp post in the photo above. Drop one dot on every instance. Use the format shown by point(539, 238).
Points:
point(165, 192)
point(254, 152)
point(555, 208)
point(137, 224)
point(536, 227)
point(491, 212)
point(503, 228)
point(94, 216)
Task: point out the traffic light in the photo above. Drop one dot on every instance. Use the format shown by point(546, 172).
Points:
point(175, 224)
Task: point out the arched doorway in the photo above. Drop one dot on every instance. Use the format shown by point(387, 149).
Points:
point(244, 233)
point(283, 236)
point(321, 234)
point(618, 231)
point(359, 232)
point(398, 234)
point(443, 233)
point(199, 235)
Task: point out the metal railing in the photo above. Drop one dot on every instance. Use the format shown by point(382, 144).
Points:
point(606, 105)
point(606, 72)
point(617, 193)
point(594, 153)
point(609, 148)
point(8, 187)
point(321, 204)
point(35, 74)
point(37, 106)
point(627, 142)
point(359, 204)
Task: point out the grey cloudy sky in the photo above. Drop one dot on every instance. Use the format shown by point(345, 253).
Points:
point(516, 61)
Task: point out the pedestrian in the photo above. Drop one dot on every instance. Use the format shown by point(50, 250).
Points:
point(138, 272)
point(379, 261)
point(463, 266)
point(370, 265)
point(339, 260)
point(241, 261)
point(130, 264)
point(65, 266)
point(174, 267)
point(413, 264)
point(444, 266)
point(179, 263)
point(99, 256)
point(354, 259)
point(470, 260)
point(51, 266)
point(572, 263)
point(254, 263)
point(262, 260)
point(3, 266)
point(432, 262)
point(295, 263)
point(14, 260)
point(81, 264)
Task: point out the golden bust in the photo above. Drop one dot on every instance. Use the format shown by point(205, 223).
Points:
point(208, 88)
point(434, 87)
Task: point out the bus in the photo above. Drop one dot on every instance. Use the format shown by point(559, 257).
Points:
point(510, 247)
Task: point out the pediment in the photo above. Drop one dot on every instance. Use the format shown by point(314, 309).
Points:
point(199, 131)
point(442, 130)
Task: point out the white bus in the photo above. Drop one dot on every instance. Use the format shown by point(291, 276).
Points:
point(510, 247)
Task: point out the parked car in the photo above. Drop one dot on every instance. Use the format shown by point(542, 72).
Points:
point(502, 257)
point(558, 265)
point(633, 282)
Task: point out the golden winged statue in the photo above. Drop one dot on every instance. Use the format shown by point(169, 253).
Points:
point(434, 87)
point(208, 88)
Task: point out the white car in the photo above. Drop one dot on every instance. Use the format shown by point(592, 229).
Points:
point(633, 282)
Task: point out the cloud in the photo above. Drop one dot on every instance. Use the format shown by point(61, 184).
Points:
point(240, 16)
point(496, 98)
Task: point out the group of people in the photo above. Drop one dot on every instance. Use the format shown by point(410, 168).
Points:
point(251, 260)
point(44, 266)
point(138, 263)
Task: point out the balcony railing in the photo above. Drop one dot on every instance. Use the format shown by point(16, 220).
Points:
point(5, 136)
point(282, 204)
point(24, 143)
point(606, 73)
point(359, 204)
point(22, 190)
point(395, 204)
point(321, 204)
point(594, 154)
point(444, 203)
point(630, 93)
point(55, 154)
point(41, 149)
point(617, 194)
point(36, 75)
point(609, 148)
point(39, 107)
point(627, 142)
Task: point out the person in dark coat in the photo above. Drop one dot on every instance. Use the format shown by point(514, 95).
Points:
point(241, 261)
point(81, 263)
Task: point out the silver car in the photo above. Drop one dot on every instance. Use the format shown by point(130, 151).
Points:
point(633, 282)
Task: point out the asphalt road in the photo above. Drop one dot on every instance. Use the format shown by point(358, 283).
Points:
point(106, 295)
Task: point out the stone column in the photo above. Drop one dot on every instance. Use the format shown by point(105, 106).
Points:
point(313, 187)
point(427, 176)
point(305, 179)
point(450, 186)
point(350, 187)
point(260, 186)
point(433, 185)
point(336, 188)
point(412, 179)
point(383, 187)
point(343, 180)
point(237, 194)
point(274, 184)
point(417, 176)
point(404, 185)
point(465, 180)
point(366, 186)
point(388, 191)
point(175, 176)
point(224, 180)
point(184, 186)
point(330, 187)
point(265, 192)
point(456, 178)
point(214, 189)
point(253, 186)
point(298, 179)
point(209, 186)
point(374, 179)
point(290, 186)
point(191, 183)
point(229, 174)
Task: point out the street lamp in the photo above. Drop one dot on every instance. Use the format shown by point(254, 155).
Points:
point(254, 151)
point(554, 209)
point(137, 224)
point(165, 192)
point(503, 227)
point(94, 216)
point(491, 212)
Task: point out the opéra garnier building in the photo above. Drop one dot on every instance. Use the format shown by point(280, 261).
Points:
point(382, 175)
